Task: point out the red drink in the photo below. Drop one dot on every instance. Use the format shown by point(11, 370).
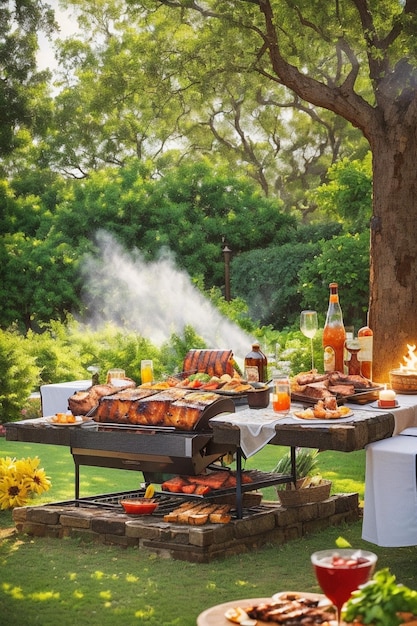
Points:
point(341, 572)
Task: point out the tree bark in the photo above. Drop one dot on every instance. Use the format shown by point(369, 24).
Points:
point(393, 247)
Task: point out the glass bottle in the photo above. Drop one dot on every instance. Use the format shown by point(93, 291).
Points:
point(256, 365)
point(366, 341)
point(334, 334)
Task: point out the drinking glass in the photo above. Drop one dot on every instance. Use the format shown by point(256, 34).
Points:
point(309, 326)
point(339, 572)
point(281, 395)
point(115, 376)
point(146, 371)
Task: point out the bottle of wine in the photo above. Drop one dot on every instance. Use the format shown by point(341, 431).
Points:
point(256, 365)
point(334, 334)
point(366, 340)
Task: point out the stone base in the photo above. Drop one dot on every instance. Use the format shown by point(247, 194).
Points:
point(270, 523)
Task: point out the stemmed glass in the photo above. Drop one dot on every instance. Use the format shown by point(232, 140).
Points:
point(339, 572)
point(309, 326)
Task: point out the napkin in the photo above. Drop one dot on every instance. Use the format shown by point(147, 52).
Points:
point(256, 428)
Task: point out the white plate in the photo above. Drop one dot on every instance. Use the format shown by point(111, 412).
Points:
point(314, 420)
point(78, 421)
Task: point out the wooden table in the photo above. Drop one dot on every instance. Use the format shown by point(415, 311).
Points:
point(345, 436)
point(367, 427)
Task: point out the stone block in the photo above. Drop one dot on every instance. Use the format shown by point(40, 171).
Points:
point(201, 536)
point(124, 542)
point(34, 529)
point(108, 526)
point(142, 531)
point(346, 502)
point(254, 525)
point(19, 514)
point(75, 521)
point(43, 515)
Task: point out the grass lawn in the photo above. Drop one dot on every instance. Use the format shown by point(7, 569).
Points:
point(49, 581)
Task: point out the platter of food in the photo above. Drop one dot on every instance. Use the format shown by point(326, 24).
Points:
point(298, 608)
point(65, 419)
point(308, 387)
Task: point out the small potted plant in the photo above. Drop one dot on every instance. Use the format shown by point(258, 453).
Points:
point(309, 486)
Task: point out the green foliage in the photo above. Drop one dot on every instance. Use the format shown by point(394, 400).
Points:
point(268, 280)
point(347, 195)
point(21, 85)
point(345, 260)
point(18, 376)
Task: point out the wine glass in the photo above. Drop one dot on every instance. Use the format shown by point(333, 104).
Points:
point(309, 326)
point(339, 572)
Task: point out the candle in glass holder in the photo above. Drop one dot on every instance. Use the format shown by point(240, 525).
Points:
point(387, 398)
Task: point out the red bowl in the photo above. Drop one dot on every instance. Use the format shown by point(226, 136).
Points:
point(139, 506)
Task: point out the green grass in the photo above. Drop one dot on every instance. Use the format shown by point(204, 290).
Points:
point(49, 581)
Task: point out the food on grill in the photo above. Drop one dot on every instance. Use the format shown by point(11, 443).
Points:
point(212, 362)
point(199, 514)
point(82, 402)
point(145, 406)
point(185, 412)
point(121, 407)
point(203, 484)
point(293, 609)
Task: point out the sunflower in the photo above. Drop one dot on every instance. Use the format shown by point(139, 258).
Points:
point(7, 464)
point(12, 492)
point(20, 479)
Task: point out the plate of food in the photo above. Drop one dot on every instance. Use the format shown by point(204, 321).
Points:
point(300, 608)
point(65, 419)
point(323, 410)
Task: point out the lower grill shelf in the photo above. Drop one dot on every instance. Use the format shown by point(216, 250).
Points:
point(166, 503)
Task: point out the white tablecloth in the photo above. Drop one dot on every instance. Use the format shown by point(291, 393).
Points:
point(54, 397)
point(405, 414)
point(390, 509)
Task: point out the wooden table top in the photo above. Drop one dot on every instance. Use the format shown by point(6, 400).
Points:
point(366, 427)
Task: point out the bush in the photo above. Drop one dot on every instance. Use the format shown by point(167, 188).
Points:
point(19, 375)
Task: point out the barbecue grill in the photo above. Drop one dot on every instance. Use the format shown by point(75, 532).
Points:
point(159, 453)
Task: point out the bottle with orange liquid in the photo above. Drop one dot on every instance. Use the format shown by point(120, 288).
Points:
point(366, 339)
point(334, 334)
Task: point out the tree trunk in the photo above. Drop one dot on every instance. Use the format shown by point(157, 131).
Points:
point(393, 277)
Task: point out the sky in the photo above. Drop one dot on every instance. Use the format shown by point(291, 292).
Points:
point(68, 25)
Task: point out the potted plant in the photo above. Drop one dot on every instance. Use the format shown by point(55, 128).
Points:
point(310, 486)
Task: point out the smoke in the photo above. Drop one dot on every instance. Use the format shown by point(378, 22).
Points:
point(153, 299)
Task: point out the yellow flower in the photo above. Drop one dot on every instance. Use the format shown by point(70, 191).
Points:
point(19, 479)
point(12, 492)
point(6, 465)
point(35, 478)
point(38, 481)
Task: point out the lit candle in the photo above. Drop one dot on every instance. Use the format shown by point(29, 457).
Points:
point(387, 398)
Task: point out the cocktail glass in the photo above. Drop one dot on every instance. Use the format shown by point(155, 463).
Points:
point(339, 572)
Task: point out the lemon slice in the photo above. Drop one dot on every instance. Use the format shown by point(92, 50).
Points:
point(150, 490)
